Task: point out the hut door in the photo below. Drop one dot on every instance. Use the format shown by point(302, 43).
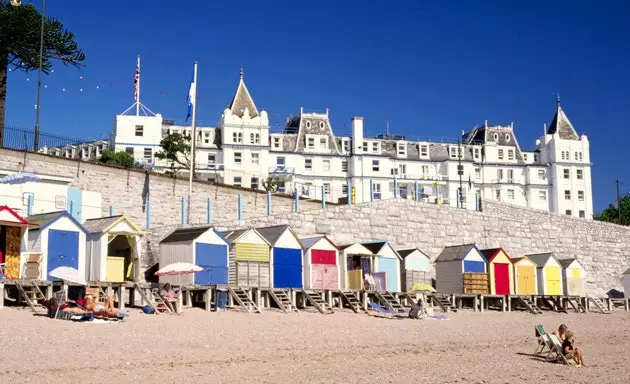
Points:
point(574, 282)
point(501, 279)
point(3, 242)
point(554, 281)
point(63, 250)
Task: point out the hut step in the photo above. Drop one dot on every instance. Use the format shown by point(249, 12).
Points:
point(390, 301)
point(242, 298)
point(315, 299)
point(283, 299)
point(444, 302)
point(150, 302)
point(553, 304)
point(600, 305)
point(530, 305)
point(32, 294)
point(353, 300)
point(576, 303)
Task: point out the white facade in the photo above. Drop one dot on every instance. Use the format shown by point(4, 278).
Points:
point(310, 160)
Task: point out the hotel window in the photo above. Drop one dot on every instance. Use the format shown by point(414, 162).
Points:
point(310, 143)
point(580, 195)
point(206, 138)
point(568, 212)
point(582, 214)
point(453, 152)
point(510, 175)
point(375, 147)
point(326, 165)
point(323, 143)
point(525, 156)
point(375, 166)
point(254, 183)
point(535, 158)
point(308, 164)
point(499, 175)
point(580, 156)
point(477, 173)
point(498, 194)
point(567, 195)
point(402, 149)
point(365, 147)
point(254, 138)
point(567, 173)
point(541, 174)
point(579, 174)
point(376, 189)
point(425, 171)
point(510, 154)
point(237, 137)
point(276, 142)
point(542, 195)
point(424, 150)
point(477, 153)
point(500, 154)
point(344, 189)
point(237, 181)
point(255, 158)
point(346, 145)
point(281, 161)
point(139, 130)
point(211, 158)
point(148, 153)
point(344, 165)
point(238, 157)
point(281, 187)
point(129, 150)
point(576, 156)
point(327, 189)
point(510, 194)
point(402, 170)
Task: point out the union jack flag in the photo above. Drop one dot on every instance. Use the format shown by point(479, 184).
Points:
point(136, 80)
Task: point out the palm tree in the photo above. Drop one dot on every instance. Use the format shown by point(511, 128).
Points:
point(20, 28)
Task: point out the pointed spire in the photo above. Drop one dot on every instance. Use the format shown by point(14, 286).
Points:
point(241, 73)
point(561, 124)
point(243, 100)
point(558, 99)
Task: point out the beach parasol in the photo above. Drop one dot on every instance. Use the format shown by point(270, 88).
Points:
point(19, 178)
point(68, 274)
point(178, 269)
point(422, 287)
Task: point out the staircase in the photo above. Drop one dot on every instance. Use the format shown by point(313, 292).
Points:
point(576, 303)
point(390, 301)
point(242, 298)
point(443, 302)
point(553, 304)
point(31, 294)
point(283, 299)
point(599, 304)
point(353, 300)
point(530, 305)
point(315, 299)
point(144, 298)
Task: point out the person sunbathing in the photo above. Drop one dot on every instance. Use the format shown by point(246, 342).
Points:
point(570, 350)
point(93, 307)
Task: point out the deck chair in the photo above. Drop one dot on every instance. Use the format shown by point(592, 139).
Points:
point(32, 267)
point(384, 311)
point(161, 305)
point(543, 340)
point(557, 354)
point(370, 283)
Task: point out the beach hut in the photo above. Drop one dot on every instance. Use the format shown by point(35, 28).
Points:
point(321, 263)
point(203, 246)
point(525, 276)
point(461, 269)
point(415, 268)
point(357, 261)
point(548, 274)
point(12, 241)
point(387, 264)
point(114, 249)
point(626, 283)
point(500, 271)
point(286, 256)
point(249, 259)
point(573, 277)
point(61, 240)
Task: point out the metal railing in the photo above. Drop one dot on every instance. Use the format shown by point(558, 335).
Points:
point(23, 140)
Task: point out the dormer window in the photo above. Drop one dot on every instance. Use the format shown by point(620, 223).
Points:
point(375, 147)
point(510, 154)
point(323, 143)
point(402, 149)
point(310, 143)
point(345, 145)
point(453, 152)
point(139, 130)
point(477, 153)
point(496, 137)
point(277, 142)
point(507, 138)
point(424, 150)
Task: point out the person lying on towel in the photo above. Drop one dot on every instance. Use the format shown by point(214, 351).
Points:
point(89, 306)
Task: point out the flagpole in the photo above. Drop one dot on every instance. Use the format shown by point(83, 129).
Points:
point(138, 90)
point(192, 141)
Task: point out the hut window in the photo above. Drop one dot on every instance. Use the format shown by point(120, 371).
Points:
point(308, 164)
point(344, 165)
point(238, 158)
point(237, 181)
point(375, 166)
point(579, 174)
point(139, 130)
point(254, 183)
point(326, 165)
point(255, 158)
point(580, 195)
point(542, 195)
point(582, 214)
point(567, 195)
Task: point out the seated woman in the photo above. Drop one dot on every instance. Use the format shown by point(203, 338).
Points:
point(562, 329)
point(170, 297)
point(570, 350)
point(417, 311)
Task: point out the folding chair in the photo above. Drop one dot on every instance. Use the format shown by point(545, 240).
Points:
point(557, 354)
point(543, 340)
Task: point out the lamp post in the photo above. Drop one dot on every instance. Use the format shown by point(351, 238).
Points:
point(39, 79)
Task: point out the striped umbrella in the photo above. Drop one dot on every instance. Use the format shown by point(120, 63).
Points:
point(19, 178)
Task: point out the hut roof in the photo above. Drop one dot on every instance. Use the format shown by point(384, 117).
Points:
point(407, 252)
point(540, 259)
point(233, 234)
point(185, 234)
point(308, 242)
point(100, 224)
point(489, 254)
point(455, 252)
point(13, 218)
point(43, 220)
point(272, 234)
point(374, 246)
point(566, 262)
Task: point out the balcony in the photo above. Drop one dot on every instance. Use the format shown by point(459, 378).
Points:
point(281, 170)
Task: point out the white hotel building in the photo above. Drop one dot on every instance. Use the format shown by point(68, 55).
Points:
point(309, 158)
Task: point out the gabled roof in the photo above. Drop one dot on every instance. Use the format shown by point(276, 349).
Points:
point(562, 126)
point(540, 259)
point(517, 259)
point(234, 236)
point(457, 252)
point(242, 99)
point(566, 262)
point(273, 233)
point(489, 254)
point(44, 220)
point(374, 246)
point(408, 251)
point(15, 219)
point(309, 242)
point(190, 234)
point(346, 246)
point(104, 224)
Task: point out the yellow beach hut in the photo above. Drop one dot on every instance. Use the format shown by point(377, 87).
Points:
point(249, 259)
point(548, 273)
point(573, 277)
point(525, 276)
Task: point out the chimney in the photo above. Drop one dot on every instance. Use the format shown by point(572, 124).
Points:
point(357, 134)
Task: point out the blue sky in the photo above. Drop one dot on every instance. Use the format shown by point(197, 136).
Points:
point(430, 68)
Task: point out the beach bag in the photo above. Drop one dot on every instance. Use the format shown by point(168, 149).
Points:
point(148, 310)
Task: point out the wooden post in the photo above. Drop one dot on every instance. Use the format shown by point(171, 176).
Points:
point(330, 298)
point(132, 297)
point(208, 299)
point(49, 291)
point(481, 301)
point(503, 303)
point(1, 294)
point(121, 297)
point(364, 299)
point(610, 305)
point(586, 305)
point(258, 298)
point(509, 303)
point(626, 304)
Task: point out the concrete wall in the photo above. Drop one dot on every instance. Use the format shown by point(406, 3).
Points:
point(128, 190)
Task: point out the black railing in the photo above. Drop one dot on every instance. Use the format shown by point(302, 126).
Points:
point(22, 139)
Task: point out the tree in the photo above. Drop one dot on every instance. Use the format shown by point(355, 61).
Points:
point(271, 183)
point(20, 28)
point(121, 159)
point(176, 149)
point(611, 214)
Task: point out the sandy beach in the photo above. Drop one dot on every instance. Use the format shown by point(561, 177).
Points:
point(232, 347)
